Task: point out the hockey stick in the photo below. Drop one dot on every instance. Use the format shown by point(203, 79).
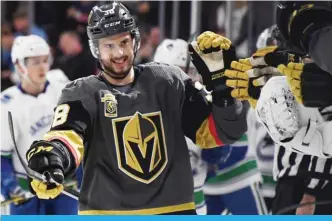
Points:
point(33, 174)
point(16, 200)
point(23, 200)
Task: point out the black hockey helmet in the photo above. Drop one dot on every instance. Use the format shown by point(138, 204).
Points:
point(110, 19)
point(310, 15)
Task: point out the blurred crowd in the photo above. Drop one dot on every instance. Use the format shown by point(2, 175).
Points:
point(63, 25)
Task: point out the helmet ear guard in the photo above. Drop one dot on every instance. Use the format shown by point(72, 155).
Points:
point(94, 48)
point(137, 37)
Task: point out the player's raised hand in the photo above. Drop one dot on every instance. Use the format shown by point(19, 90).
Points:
point(212, 54)
point(209, 41)
point(310, 85)
point(48, 158)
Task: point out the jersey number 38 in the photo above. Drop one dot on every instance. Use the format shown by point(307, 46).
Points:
point(60, 115)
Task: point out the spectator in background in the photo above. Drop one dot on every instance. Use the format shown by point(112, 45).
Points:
point(76, 61)
point(22, 25)
point(51, 17)
point(239, 24)
point(149, 44)
point(7, 39)
point(154, 38)
point(262, 13)
point(77, 15)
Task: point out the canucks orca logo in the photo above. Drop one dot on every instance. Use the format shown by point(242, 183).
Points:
point(140, 146)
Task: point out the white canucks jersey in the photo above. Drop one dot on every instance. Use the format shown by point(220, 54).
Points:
point(260, 140)
point(32, 118)
point(199, 169)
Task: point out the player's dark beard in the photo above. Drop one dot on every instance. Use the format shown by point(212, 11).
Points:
point(109, 70)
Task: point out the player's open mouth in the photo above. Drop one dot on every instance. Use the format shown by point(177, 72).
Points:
point(119, 62)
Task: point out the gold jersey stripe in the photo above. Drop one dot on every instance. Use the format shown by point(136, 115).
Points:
point(72, 141)
point(151, 211)
point(206, 135)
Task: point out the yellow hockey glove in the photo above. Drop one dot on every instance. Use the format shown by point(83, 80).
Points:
point(46, 191)
point(247, 81)
point(309, 83)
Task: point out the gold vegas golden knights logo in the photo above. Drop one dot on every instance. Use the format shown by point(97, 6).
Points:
point(140, 146)
point(110, 105)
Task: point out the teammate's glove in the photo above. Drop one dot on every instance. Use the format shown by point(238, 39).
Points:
point(53, 160)
point(250, 75)
point(270, 56)
point(248, 81)
point(212, 54)
point(310, 85)
point(18, 195)
point(296, 20)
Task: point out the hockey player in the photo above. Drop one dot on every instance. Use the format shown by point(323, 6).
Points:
point(175, 52)
point(31, 103)
point(128, 124)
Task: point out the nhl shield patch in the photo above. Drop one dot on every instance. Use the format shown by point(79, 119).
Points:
point(140, 146)
point(110, 105)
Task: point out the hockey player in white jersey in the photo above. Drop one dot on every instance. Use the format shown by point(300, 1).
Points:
point(31, 103)
point(175, 52)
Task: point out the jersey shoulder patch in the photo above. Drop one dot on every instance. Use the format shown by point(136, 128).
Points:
point(8, 95)
point(5, 99)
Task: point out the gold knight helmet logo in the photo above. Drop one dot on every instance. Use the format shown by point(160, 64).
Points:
point(140, 146)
